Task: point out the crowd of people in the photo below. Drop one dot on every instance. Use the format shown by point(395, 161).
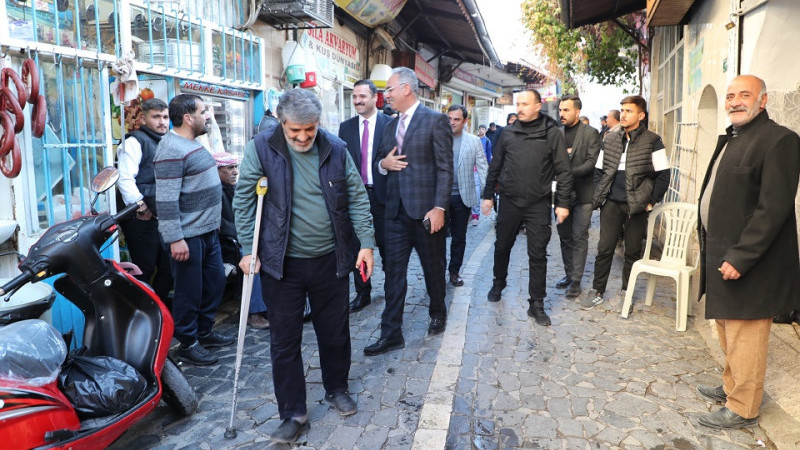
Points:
point(406, 182)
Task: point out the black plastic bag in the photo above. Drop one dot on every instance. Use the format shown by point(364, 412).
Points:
point(101, 385)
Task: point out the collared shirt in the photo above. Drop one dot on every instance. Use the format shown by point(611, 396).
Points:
point(129, 156)
point(372, 122)
point(409, 113)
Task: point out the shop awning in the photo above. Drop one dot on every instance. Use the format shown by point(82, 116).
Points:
point(661, 13)
point(576, 13)
point(455, 27)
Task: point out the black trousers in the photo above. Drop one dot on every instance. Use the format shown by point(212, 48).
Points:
point(330, 314)
point(144, 246)
point(536, 218)
point(199, 285)
point(457, 220)
point(614, 219)
point(378, 211)
point(404, 234)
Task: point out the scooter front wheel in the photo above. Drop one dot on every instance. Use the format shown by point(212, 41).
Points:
point(176, 390)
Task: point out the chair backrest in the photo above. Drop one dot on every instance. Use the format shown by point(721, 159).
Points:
point(680, 224)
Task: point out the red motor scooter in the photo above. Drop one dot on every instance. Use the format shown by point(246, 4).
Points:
point(124, 320)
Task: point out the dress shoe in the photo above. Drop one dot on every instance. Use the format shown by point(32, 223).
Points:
point(289, 431)
point(216, 339)
point(436, 326)
point(360, 302)
point(562, 283)
point(725, 419)
point(384, 345)
point(495, 291)
point(574, 290)
point(713, 393)
point(195, 354)
point(456, 280)
point(257, 322)
point(536, 310)
point(342, 402)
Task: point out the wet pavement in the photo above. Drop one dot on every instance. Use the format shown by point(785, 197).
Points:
point(493, 380)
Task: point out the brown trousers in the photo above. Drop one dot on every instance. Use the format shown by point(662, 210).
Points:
point(745, 344)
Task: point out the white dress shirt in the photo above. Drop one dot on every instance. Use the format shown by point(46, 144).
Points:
point(406, 118)
point(129, 156)
point(372, 122)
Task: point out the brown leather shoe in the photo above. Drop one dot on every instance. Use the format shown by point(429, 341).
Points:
point(257, 322)
point(456, 280)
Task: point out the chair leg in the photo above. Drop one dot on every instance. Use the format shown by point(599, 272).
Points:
point(681, 304)
point(690, 298)
point(626, 305)
point(651, 289)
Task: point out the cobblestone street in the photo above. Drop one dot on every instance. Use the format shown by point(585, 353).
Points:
point(493, 380)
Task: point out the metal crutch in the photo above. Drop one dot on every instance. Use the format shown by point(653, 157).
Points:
point(247, 291)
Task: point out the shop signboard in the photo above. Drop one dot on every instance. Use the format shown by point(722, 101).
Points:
point(549, 92)
point(209, 89)
point(337, 58)
point(372, 12)
point(486, 85)
point(424, 71)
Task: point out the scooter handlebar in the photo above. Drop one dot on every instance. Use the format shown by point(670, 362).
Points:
point(16, 282)
point(128, 212)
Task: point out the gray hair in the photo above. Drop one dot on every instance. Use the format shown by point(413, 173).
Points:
point(299, 106)
point(406, 75)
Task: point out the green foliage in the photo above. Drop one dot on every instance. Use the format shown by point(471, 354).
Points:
point(603, 51)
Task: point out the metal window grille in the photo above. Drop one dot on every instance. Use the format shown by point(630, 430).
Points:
point(683, 174)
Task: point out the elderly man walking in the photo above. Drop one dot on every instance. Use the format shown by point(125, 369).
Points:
point(748, 247)
point(315, 228)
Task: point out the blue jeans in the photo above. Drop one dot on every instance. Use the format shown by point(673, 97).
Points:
point(476, 208)
point(199, 285)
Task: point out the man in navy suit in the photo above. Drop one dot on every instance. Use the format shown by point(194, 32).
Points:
point(417, 156)
point(363, 134)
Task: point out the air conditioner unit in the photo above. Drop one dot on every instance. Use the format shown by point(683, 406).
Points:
point(297, 14)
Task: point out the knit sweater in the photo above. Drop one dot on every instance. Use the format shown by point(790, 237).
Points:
point(188, 189)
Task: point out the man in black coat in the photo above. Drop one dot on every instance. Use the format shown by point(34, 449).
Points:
point(583, 147)
point(363, 135)
point(748, 247)
point(417, 156)
point(529, 156)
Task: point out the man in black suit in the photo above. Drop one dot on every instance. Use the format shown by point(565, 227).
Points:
point(363, 134)
point(583, 147)
point(417, 156)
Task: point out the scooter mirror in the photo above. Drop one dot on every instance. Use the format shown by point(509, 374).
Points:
point(105, 179)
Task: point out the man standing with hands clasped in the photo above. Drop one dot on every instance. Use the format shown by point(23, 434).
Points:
point(529, 155)
point(748, 247)
point(417, 156)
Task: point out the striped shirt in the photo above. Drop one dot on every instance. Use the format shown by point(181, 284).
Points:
point(188, 190)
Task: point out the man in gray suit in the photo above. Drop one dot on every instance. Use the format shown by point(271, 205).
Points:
point(416, 155)
point(467, 155)
point(583, 146)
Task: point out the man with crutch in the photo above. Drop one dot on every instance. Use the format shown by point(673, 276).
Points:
point(315, 227)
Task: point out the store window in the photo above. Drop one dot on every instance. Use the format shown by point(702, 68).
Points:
point(670, 82)
point(80, 24)
point(330, 94)
point(71, 151)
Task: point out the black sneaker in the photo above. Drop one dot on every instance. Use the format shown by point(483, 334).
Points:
point(216, 339)
point(536, 310)
point(195, 354)
point(288, 431)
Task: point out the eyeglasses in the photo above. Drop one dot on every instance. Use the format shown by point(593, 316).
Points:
point(388, 90)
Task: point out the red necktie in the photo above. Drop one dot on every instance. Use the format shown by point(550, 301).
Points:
point(365, 153)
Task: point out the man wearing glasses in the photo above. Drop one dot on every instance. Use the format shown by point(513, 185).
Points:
point(417, 156)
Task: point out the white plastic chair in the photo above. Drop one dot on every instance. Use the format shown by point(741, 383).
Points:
point(680, 222)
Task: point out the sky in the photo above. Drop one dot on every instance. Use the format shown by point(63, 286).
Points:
point(512, 42)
